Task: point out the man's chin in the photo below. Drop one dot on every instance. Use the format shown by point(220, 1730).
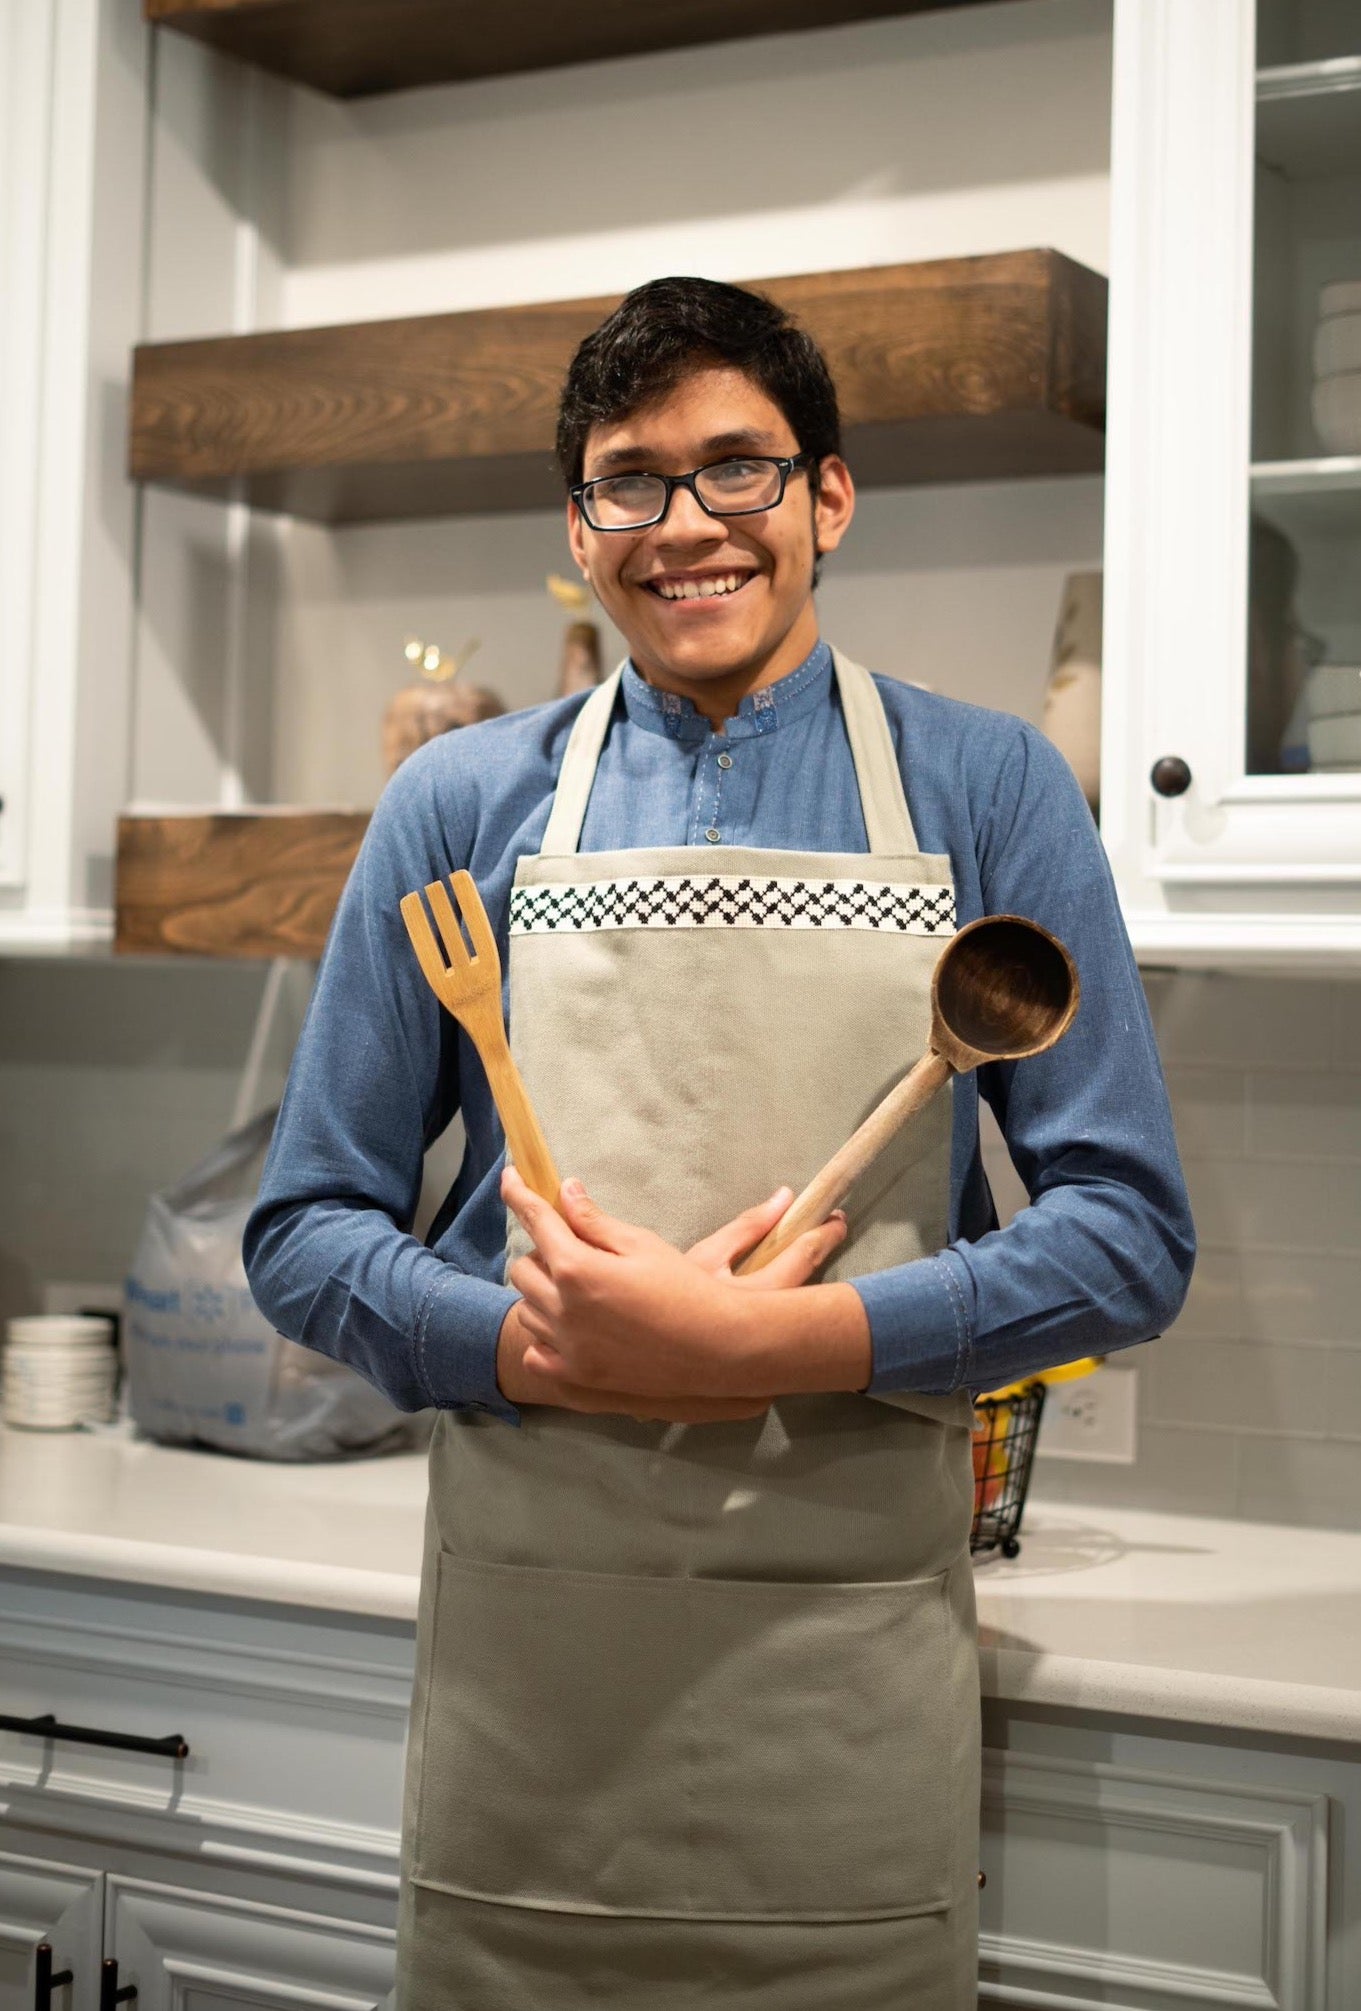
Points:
point(703, 659)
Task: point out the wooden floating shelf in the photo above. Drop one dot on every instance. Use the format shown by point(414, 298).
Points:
point(353, 48)
point(950, 370)
point(232, 883)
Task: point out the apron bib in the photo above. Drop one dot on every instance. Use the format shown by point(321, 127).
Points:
point(696, 1707)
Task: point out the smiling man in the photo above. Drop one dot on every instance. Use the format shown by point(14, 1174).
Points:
point(696, 1709)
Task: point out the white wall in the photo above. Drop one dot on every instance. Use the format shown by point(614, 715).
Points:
point(937, 135)
point(1251, 1404)
point(979, 130)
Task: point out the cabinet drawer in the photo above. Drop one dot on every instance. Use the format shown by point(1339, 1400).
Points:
point(295, 1720)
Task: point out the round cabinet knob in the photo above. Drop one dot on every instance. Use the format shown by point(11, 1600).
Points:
point(1171, 776)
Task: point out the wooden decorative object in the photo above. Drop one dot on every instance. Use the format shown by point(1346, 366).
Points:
point(353, 48)
point(966, 369)
point(579, 665)
point(434, 703)
point(232, 883)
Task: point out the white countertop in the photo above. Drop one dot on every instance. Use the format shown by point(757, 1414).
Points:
point(1169, 1616)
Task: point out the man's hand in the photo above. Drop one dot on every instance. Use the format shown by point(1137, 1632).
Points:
point(614, 1319)
point(520, 1384)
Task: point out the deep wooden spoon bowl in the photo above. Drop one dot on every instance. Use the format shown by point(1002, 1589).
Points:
point(1003, 989)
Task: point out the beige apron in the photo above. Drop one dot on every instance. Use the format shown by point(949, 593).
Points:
point(696, 1707)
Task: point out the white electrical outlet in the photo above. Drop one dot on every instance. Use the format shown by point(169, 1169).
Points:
point(1093, 1418)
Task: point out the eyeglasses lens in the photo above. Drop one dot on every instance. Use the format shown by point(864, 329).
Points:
point(728, 488)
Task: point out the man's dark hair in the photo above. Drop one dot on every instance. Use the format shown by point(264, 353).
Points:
point(662, 331)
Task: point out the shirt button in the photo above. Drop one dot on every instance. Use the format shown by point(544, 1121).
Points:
point(712, 835)
point(725, 761)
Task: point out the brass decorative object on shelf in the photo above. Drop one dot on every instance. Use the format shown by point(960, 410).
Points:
point(434, 703)
point(579, 666)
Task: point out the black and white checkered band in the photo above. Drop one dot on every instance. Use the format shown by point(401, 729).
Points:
point(724, 901)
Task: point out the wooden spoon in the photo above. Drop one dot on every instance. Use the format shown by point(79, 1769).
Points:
point(1003, 989)
point(469, 986)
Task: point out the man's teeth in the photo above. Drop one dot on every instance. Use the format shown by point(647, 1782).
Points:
point(696, 590)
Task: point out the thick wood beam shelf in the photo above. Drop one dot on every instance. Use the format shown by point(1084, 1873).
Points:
point(951, 370)
point(353, 48)
point(238, 883)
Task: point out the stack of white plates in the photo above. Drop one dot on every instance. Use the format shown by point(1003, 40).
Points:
point(1333, 698)
point(58, 1372)
point(1337, 368)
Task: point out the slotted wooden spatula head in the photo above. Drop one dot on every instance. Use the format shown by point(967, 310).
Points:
point(460, 978)
point(467, 983)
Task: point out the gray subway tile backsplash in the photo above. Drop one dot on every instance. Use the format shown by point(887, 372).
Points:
point(1250, 1404)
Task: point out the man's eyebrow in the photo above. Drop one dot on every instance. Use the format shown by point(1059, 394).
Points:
point(747, 438)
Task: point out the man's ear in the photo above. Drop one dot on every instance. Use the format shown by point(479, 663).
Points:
point(834, 505)
point(576, 538)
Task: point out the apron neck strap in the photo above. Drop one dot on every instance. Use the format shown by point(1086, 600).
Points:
point(562, 835)
point(888, 822)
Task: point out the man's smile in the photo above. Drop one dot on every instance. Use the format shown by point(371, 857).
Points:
point(696, 586)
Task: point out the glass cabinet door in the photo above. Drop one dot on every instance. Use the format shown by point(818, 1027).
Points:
point(1303, 686)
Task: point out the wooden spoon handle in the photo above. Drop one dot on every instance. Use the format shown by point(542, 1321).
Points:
point(528, 1146)
point(829, 1188)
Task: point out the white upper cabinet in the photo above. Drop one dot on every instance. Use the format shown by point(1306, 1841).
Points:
point(72, 167)
point(1233, 522)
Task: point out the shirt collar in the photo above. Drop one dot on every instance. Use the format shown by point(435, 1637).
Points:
point(759, 712)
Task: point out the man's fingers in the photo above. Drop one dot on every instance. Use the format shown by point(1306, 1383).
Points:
point(542, 1223)
point(805, 1256)
point(721, 1250)
point(534, 1282)
point(590, 1222)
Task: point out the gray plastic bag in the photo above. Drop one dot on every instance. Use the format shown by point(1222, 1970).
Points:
point(204, 1365)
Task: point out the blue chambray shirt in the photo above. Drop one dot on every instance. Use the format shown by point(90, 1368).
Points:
point(1100, 1259)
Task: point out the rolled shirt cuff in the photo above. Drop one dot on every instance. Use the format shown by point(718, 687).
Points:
point(456, 1336)
point(919, 1326)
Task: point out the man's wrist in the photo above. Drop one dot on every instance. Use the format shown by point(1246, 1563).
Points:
point(807, 1340)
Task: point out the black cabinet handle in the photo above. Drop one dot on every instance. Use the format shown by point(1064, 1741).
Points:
point(47, 1727)
point(109, 1992)
point(46, 1981)
point(1170, 776)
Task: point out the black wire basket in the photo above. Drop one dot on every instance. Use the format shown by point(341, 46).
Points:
point(1005, 1431)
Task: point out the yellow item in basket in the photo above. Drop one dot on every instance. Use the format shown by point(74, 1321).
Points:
point(992, 1438)
point(1066, 1372)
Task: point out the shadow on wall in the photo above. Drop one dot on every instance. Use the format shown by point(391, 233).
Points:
point(115, 1077)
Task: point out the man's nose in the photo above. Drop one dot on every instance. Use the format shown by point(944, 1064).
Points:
point(687, 520)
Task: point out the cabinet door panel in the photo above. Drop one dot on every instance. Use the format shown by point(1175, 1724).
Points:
point(1108, 1884)
point(57, 1903)
point(187, 1952)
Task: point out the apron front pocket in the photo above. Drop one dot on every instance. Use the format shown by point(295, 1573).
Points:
point(681, 1747)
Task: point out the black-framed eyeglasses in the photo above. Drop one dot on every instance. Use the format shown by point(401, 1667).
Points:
point(740, 486)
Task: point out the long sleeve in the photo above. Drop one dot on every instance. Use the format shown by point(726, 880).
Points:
point(375, 1078)
point(1102, 1257)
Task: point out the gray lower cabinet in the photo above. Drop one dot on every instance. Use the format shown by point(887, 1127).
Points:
point(1161, 1867)
point(261, 1869)
point(175, 1946)
point(186, 1950)
point(1130, 1863)
point(45, 1903)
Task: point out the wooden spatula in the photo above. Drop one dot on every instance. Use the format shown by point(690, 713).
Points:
point(468, 984)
